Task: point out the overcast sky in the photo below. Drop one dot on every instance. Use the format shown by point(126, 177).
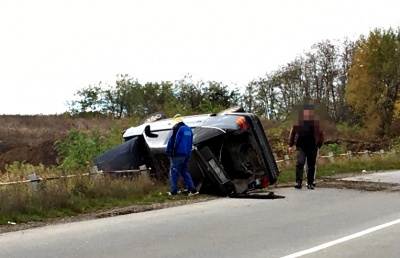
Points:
point(50, 49)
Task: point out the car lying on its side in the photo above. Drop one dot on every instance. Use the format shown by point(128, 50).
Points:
point(231, 154)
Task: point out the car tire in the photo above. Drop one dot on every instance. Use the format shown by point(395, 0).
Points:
point(153, 117)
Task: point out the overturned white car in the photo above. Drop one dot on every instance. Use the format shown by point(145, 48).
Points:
point(231, 154)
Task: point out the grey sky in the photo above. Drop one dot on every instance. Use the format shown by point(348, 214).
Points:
point(50, 49)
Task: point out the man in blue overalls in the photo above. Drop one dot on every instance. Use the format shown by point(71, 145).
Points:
point(179, 149)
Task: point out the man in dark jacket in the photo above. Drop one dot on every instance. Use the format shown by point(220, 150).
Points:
point(179, 149)
point(308, 137)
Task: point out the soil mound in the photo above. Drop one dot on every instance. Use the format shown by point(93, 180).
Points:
point(44, 154)
point(5, 146)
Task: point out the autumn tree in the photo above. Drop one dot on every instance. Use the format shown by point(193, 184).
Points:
point(121, 99)
point(88, 102)
point(203, 96)
point(320, 74)
point(374, 82)
point(189, 94)
point(344, 113)
point(155, 97)
point(114, 101)
point(249, 96)
point(218, 96)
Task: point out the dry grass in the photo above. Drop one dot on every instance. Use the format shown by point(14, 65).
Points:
point(81, 194)
point(20, 171)
point(33, 130)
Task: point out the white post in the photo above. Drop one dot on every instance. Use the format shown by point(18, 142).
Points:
point(34, 183)
point(286, 159)
point(331, 158)
point(366, 155)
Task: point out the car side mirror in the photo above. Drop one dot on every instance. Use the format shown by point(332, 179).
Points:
point(148, 133)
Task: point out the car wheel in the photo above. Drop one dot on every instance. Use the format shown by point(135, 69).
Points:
point(153, 117)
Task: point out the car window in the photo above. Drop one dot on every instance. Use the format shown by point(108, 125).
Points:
point(161, 140)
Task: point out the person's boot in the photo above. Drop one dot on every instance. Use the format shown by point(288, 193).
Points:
point(298, 184)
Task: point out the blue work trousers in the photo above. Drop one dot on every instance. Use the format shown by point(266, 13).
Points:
point(179, 166)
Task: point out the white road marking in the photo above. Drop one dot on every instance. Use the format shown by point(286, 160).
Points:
point(341, 240)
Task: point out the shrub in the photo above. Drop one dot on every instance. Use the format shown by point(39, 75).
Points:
point(80, 147)
point(349, 131)
point(335, 148)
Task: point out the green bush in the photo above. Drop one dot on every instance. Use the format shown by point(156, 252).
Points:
point(335, 148)
point(80, 147)
point(348, 131)
point(395, 146)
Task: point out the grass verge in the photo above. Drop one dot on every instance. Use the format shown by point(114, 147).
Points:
point(60, 198)
point(343, 165)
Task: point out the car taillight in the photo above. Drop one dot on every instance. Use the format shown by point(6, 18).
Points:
point(241, 121)
point(265, 182)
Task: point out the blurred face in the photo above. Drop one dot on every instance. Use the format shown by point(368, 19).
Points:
point(308, 114)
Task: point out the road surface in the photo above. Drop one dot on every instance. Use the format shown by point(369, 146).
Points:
point(383, 177)
point(309, 223)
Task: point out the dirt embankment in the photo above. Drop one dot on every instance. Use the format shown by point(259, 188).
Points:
point(31, 138)
point(44, 153)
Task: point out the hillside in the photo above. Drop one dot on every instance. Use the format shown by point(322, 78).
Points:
point(31, 138)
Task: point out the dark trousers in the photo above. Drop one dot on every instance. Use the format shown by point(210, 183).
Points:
point(311, 155)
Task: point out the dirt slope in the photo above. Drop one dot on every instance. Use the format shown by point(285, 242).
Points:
point(43, 153)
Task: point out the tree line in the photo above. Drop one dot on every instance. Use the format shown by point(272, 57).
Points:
point(129, 98)
point(320, 74)
point(355, 82)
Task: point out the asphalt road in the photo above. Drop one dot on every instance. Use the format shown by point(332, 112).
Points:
point(383, 177)
point(314, 223)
